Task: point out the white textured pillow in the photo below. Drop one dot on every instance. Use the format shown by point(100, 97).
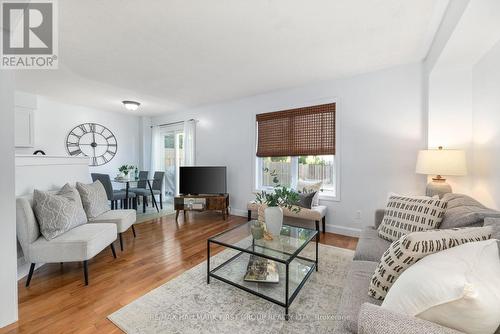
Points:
point(404, 214)
point(457, 288)
point(309, 187)
point(412, 247)
point(94, 198)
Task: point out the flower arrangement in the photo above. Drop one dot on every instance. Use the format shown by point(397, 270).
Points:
point(282, 196)
point(125, 169)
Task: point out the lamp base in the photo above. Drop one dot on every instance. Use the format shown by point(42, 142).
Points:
point(437, 187)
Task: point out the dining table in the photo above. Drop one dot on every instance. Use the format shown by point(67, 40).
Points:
point(127, 188)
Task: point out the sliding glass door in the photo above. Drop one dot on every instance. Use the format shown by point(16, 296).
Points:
point(173, 155)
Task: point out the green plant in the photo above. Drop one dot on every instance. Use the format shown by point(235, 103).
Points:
point(281, 196)
point(125, 169)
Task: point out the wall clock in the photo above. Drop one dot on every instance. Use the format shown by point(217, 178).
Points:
point(94, 141)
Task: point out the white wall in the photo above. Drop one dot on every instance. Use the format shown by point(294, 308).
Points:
point(382, 126)
point(486, 128)
point(54, 120)
point(450, 117)
point(8, 255)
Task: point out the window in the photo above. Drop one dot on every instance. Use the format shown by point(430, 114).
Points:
point(297, 144)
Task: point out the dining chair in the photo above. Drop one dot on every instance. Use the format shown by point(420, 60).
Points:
point(114, 195)
point(158, 185)
point(141, 184)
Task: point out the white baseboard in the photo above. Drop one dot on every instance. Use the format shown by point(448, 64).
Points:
point(344, 230)
point(238, 212)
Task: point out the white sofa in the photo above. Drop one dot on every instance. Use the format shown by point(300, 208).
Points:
point(78, 244)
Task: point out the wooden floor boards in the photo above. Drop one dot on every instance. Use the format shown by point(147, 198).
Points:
point(58, 302)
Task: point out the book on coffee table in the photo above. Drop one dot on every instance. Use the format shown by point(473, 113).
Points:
point(262, 270)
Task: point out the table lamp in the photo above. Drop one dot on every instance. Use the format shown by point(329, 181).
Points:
point(440, 162)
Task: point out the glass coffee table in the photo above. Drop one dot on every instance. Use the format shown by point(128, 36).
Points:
point(285, 250)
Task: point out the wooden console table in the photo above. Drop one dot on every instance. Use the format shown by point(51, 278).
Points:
point(211, 202)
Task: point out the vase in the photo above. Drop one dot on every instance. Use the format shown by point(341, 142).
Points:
point(274, 219)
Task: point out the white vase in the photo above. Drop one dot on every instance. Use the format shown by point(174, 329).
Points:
point(274, 219)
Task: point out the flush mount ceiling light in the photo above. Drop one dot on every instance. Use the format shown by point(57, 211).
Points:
point(131, 105)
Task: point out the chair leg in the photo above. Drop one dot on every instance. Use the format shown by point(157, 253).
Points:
point(161, 201)
point(121, 241)
point(86, 272)
point(113, 250)
point(112, 205)
point(249, 216)
point(133, 231)
point(144, 204)
point(324, 224)
point(30, 274)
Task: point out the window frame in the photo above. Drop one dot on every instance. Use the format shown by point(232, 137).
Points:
point(258, 167)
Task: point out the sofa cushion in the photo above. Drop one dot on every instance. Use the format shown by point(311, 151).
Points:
point(495, 224)
point(405, 214)
point(370, 245)
point(123, 219)
point(94, 198)
point(78, 244)
point(354, 295)
point(462, 210)
point(59, 212)
point(412, 247)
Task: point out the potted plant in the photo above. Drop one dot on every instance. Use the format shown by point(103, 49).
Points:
point(281, 197)
point(125, 170)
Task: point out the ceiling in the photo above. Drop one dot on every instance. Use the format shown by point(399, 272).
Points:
point(176, 54)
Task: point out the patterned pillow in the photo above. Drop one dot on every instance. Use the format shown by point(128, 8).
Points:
point(94, 198)
point(59, 212)
point(414, 246)
point(405, 215)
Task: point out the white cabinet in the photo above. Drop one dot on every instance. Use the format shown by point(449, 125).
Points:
point(24, 127)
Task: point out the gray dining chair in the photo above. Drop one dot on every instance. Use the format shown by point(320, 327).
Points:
point(115, 196)
point(141, 184)
point(156, 186)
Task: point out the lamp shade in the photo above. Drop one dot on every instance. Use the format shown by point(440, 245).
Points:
point(441, 162)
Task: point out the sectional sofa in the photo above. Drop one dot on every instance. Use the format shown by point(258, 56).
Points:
point(362, 314)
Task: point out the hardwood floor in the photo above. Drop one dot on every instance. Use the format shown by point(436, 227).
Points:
point(58, 302)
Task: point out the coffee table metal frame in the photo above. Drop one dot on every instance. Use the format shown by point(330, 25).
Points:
point(288, 298)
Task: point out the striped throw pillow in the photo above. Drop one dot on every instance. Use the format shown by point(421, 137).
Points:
point(414, 246)
point(405, 215)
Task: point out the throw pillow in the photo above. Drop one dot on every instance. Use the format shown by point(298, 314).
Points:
point(462, 210)
point(94, 198)
point(309, 187)
point(57, 213)
point(458, 288)
point(71, 192)
point(412, 247)
point(404, 214)
point(305, 200)
point(495, 225)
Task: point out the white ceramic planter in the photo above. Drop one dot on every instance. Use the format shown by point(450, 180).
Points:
point(274, 219)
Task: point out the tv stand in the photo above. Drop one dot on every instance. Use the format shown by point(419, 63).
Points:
point(201, 203)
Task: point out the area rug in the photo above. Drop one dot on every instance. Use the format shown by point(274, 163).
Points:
point(187, 304)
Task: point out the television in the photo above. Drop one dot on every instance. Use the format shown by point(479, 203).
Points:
point(204, 180)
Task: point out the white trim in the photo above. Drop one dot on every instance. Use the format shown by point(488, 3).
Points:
point(47, 160)
point(238, 212)
point(344, 230)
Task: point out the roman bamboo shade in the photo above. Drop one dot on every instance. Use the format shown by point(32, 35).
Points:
point(296, 132)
